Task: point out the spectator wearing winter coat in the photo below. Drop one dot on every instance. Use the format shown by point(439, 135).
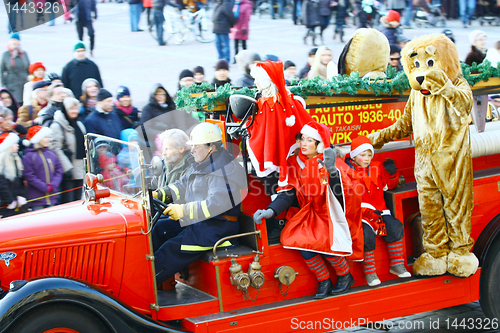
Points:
point(43, 171)
point(245, 59)
point(223, 19)
point(311, 19)
point(290, 71)
point(9, 101)
point(478, 48)
point(395, 57)
point(323, 65)
point(390, 24)
point(240, 31)
point(56, 96)
point(128, 114)
point(310, 60)
point(37, 72)
point(8, 125)
point(90, 88)
point(83, 15)
point(325, 12)
point(493, 54)
point(159, 19)
point(160, 103)
point(135, 7)
point(28, 113)
point(221, 75)
point(102, 120)
point(79, 69)
point(68, 132)
point(12, 193)
point(15, 67)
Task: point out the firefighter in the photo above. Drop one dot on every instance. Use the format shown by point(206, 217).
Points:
point(206, 200)
point(377, 219)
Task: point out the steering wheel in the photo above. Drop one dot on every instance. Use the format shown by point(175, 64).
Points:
point(159, 207)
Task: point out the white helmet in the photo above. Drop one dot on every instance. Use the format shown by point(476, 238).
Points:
point(204, 133)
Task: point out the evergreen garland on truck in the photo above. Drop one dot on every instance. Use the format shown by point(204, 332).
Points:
point(395, 83)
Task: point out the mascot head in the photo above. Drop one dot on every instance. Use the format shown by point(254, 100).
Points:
point(426, 54)
point(367, 53)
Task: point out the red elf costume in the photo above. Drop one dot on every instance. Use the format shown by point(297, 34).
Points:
point(377, 219)
point(319, 227)
point(280, 118)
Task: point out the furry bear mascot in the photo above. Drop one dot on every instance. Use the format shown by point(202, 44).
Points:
point(437, 114)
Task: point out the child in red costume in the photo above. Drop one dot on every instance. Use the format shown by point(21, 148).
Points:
point(377, 219)
point(320, 226)
point(114, 177)
point(280, 117)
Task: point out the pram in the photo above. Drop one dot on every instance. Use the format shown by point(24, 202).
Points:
point(489, 11)
point(429, 15)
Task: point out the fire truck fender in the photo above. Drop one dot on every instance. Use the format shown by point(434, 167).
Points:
point(486, 239)
point(28, 298)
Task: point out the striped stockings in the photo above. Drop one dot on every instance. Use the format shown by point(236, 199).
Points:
point(369, 262)
point(318, 267)
point(396, 253)
point(339, 264)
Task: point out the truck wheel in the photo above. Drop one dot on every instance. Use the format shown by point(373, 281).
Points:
point(489, 288)
point(59, 319)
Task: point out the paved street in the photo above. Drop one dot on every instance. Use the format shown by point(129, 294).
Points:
point(135, 60)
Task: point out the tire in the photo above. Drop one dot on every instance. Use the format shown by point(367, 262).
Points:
point(489, 288)
point(59, 318)
point(202, 36)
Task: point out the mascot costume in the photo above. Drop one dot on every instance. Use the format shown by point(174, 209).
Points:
point(437, 114)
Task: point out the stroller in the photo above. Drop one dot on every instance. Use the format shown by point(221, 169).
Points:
point(489, 12)
point(429, 15)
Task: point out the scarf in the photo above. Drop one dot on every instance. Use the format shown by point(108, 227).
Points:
point(89, 102)
point(128, 110)
point(80, 145)
point(11, 165)
point(14, 53)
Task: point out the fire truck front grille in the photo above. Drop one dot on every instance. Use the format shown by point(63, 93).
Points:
point(89, 262)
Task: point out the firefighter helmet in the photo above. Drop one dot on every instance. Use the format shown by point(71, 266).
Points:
point(204, 133)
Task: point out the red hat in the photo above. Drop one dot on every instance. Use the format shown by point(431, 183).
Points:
point(34, 66)
point(318, 132)
point(7, 139)
point(36, 134)
point(392, 15)
point(274, 70)
point(359, 145)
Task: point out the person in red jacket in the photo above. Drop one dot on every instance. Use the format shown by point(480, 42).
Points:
point(377, 177)
point(321, 227)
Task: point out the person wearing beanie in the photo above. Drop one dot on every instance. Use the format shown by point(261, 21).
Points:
point(12, 192)
point(37, 72)
point(199, 75)
point(245, 59)
point(67, 141)
point(128, 114)
point(223, 19)
point(83, 17)
point(310, 60)
point(14, 67)
point(448, 33)
point(102, 120)
point(395, 57)
point(186, 79)
point(477, 54)
point(90, 88)
point(242, 10)
point(377, 218)
point(53, 77)
point(42, 169)
point(28, 113)
point(79, 69)
point(390, 23)
point(307, 230)
point(290, 71)
point(221, 75)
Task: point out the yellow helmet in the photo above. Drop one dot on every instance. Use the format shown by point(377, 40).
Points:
point(204, 133)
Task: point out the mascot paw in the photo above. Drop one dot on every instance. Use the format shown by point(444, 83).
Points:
point(427, 265)
point(434, 81)
point(462, 265)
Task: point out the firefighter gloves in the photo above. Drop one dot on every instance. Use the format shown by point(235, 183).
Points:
point(174, 211)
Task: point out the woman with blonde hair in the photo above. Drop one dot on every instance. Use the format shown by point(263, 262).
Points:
point(323, 65)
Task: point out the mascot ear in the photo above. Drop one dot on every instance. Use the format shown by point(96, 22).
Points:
point(430, 49)
point(341, 63)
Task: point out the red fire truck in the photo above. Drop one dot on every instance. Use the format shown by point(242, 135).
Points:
point(88, 266)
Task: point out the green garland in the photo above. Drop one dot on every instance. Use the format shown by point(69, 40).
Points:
point(395, 82)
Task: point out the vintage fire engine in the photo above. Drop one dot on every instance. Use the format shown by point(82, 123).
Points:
point(88, 266)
